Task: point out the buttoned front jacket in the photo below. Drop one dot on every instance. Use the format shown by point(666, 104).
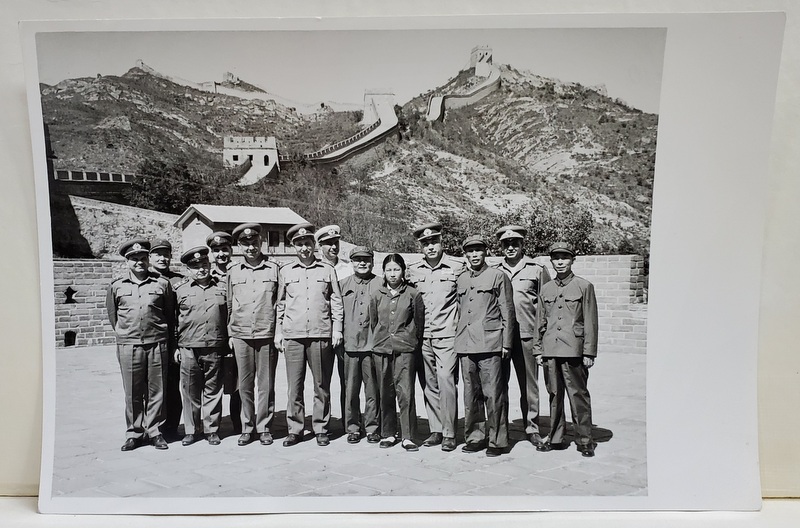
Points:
point(397, 321)
point(309, 301)
point(567, 319)
point(252, 295)
point(438, 288)
point(526, 280)
point(141, 313)
point(486, 307)
point(202, 313)
point(356, 293)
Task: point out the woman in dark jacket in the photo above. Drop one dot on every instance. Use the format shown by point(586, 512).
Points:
point(397, 319)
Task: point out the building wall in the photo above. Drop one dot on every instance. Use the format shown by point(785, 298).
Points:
point(618, 280)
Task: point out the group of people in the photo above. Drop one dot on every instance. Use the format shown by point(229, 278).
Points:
point(427, 320)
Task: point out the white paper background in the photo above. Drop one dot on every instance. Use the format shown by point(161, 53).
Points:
point(20, 365)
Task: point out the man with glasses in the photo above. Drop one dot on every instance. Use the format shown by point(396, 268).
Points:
point(527, 278)
point(252, 296)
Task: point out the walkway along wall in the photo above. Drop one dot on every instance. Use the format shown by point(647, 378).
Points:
point(80, 294)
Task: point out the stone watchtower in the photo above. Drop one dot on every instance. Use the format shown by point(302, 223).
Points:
point(258, 152)
point(481, 59)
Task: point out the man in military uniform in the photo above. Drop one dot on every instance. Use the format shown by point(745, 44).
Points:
point(567, 341)
point(527, 278)
point(202, 339)
point(309, 327)
point(252, 294)
point(435, 278)
point(221, 245)
point(141, 311)
point(328, 239)
point(358, 366)
point(483, 340)
point(160, 261)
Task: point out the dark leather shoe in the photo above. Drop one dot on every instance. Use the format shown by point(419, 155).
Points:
point(409, 445)
point(265, 438)
point(586, 450)
point(130, 444)
point(493, 451)
point(160, 443)
point(473, 447)
point(353, 438)
point(547, 446)
point(448, 444)
point(323, 440)
point(188, 440)
point(245, 439)
point(373, 438)
point(535, 439)
point(213, 439)
point(433, 440)
point(388, 442)
point(292, 439)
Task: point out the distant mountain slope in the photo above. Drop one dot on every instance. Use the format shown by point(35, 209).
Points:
point(536, 144)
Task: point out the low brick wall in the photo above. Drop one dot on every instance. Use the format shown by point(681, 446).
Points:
point(618, 281)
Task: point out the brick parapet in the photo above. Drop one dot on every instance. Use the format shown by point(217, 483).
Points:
point(618, 281)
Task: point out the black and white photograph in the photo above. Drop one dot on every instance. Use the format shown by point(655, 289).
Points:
point(348, 269)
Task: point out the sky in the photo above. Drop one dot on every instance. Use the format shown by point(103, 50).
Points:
point(312, 66)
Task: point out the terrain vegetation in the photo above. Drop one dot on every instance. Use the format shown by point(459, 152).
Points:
point(561, 158)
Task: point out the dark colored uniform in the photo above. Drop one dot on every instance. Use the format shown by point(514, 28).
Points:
point(252, 294)
point(343, 270)
point(567, 322)
point(309, 309)
point(143, 317)
point(437, 286)
point(397, 320)
point(527, 279)
point(358, 361)
point(202, 339)
point(485, 325)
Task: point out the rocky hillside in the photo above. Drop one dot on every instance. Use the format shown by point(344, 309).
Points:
point(535, 145)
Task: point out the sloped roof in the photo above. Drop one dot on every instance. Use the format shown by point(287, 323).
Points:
point(238, 214)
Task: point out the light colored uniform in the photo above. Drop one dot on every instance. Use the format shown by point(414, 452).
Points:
point(309, 310)
point(437, 285)
point(252, 297)
point(527, 279)
point(143, 317)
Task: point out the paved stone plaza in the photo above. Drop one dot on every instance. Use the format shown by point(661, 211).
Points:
point(90, 429)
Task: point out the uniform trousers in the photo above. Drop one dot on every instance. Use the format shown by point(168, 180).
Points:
point(568, 374)
point(484, 385)
point(144, 369)
point(317, 353)
point(201, 381)
point(396, 387)
point(358, 368)
point(527, 370)
point(230, 385)
point(441, 375)
point(341, 367)
point(256, 360)
point(172, 397)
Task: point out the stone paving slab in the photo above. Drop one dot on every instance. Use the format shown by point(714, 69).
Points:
point(90, 430)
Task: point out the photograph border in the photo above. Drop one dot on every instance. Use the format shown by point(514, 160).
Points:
point(735, 486)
